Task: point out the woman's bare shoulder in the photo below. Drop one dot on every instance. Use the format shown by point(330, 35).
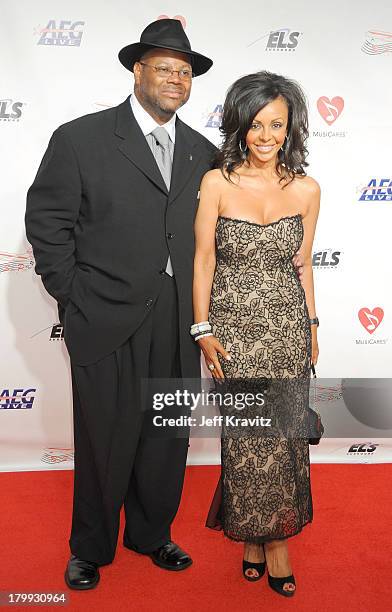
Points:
point(213, 178)
point(309, 193)
point(308, 184)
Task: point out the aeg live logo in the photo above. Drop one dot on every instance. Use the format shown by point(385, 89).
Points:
point(377, 190)
point(215, 117)
point(19, 398)
point(65, 34)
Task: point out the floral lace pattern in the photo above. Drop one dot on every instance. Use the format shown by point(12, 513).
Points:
point(259, 314)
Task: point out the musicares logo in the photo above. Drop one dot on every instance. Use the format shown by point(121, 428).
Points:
point(179, 17)
point(330, 108)
point(371, 319)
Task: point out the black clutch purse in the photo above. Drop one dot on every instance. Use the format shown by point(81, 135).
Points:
point(316, 428)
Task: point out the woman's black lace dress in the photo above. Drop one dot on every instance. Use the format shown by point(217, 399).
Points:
point(259, 314)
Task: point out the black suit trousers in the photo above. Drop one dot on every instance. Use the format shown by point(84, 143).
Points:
point(114, 464)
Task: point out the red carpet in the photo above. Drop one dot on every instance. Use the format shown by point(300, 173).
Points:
point(341, 562)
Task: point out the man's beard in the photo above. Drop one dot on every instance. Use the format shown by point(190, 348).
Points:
point(158, 107)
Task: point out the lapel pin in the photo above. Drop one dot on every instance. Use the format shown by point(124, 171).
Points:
point(190, 158)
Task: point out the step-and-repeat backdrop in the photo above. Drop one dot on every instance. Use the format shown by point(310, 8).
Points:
point(59, 61)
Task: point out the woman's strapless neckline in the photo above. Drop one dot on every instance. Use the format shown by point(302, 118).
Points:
point(260, 224)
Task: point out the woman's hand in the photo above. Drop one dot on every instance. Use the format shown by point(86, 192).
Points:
point(211, 347)
point(315, 349)
point(299, 265)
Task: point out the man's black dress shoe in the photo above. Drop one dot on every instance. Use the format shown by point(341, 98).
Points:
point(81, 575)
point(171, 557)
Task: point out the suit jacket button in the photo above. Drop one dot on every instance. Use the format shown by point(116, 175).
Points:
point(149, 302)
point(170, 235)
point(162, 271)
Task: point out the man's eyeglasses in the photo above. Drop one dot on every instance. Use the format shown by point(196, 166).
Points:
point(165, 72)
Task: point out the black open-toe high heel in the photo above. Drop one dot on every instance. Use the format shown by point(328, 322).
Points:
point(277, 584)
point(259, 567)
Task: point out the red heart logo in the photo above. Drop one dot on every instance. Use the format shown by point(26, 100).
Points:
point(330, 109)
point(371, 319)
point(179, 17)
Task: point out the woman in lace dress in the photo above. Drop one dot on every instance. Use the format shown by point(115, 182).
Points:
point(258, 210)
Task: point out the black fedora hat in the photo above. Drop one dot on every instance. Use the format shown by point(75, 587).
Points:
point(164, 34)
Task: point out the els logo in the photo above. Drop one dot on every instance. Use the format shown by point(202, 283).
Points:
point(19, 399)
point(10, 110)
point(326, 259)
point(282, 39)
point(57, 332)
point(362, 449)
point(66, 34)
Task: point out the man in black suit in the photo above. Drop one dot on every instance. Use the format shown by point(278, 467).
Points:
point(110, 218)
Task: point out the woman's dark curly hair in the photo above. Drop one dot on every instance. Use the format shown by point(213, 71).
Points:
point(244, 99)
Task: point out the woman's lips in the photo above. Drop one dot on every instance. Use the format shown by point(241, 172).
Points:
point(264, 148)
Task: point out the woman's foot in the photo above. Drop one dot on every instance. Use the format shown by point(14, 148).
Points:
point(278, 563)
point(253, 565)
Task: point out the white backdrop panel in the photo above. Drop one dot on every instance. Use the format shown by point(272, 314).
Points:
point(342, 53)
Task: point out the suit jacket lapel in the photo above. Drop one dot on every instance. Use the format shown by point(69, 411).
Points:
point(186, 155)
point(134, 146)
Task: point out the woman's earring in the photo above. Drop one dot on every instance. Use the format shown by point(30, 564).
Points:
point(243, 149)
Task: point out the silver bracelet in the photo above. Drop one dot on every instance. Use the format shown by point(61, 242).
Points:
point(204, 335)
point(197, 328)
point(200, 323)
point(200, 327)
